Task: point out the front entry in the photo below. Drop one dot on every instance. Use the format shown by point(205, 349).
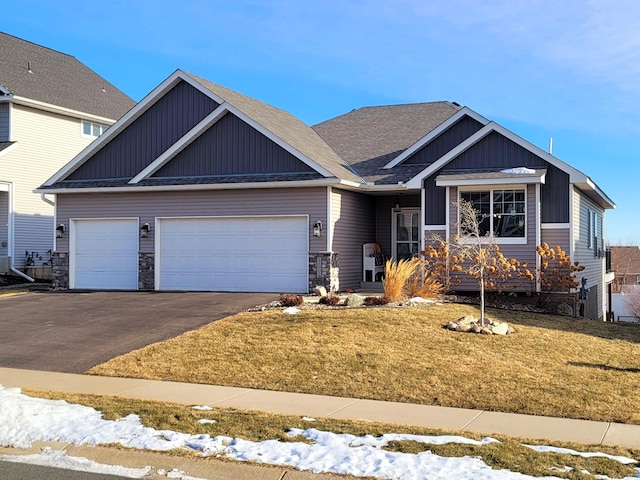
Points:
point(405, 236)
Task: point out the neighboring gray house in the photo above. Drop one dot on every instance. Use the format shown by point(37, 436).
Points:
point(201, 188)
point(51, 107)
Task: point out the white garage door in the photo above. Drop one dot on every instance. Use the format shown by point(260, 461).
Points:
point(105, 254)
point(239, 254)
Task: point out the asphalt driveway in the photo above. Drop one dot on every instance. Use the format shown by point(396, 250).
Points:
point(71, 332)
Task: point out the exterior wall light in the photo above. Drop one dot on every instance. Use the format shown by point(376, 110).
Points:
point(317, 228)
point(60, 230)
point(144, 230)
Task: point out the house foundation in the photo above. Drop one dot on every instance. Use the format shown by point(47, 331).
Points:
point(323, 270)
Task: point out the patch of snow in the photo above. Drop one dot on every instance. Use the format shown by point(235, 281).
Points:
point(568, 451)
point(420, 300)
point(308, 419)
point(204, 421)
point(59, 459)
point(518, 170)
point(291, 310)
point(202, 407)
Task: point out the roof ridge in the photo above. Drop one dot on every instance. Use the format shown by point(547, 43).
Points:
point(38, 45)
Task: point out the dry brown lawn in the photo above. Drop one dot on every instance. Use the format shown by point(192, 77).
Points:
point(553, 365)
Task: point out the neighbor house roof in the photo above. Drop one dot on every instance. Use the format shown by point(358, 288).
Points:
point(32, 72)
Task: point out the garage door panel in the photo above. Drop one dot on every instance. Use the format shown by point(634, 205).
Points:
point(234, 254)
point(105, 254)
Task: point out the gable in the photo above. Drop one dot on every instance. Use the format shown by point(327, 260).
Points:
point(148, 136)
point(231, 147)
point(437, 147)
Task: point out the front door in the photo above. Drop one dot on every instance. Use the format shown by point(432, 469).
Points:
point(405, 237)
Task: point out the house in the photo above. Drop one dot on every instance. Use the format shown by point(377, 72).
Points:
point(51, 107)
point(199, 187)
point(625, 263)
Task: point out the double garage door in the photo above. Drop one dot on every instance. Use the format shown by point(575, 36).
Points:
point(235, 254)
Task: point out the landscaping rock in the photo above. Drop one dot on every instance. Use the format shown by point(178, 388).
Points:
point(471, 324)
point(320, 291)
point(565, 309)
point(354, 300)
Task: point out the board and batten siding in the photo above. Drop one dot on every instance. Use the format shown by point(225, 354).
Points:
point(45, 142)
point(454, 135)
point(352, 225)
point(232, 147)
point(210, 203)
point(594, 267)
point(148, 136)
point(523, 252)
point(5, 125)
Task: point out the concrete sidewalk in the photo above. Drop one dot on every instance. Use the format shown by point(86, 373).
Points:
point(528, 426)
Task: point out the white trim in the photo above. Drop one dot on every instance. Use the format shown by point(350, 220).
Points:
point(435, 227)
point(538, 210)
point(465, 111)
point(8, 149)
point(48, 107)
point(447, 213)
point(180, 144)
point(4, 187)
point(572, 240)
point(329, 229)
point(214, 186)
point(530, 179)
point(554, 226)
point(423, 202)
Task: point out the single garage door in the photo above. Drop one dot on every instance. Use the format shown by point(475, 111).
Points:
point(104, 254)
point(236, 254)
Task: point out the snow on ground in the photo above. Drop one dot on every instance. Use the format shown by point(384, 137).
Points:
point(24, 420)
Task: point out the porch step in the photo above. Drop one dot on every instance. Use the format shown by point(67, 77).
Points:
point(375, 287)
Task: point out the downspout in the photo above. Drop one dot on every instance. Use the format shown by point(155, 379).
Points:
point(12, 268)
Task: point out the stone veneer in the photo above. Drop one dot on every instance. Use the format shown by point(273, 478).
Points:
point(59, 270)
point(146, 270)
point(323, 270)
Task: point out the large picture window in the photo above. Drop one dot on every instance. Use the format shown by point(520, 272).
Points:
point(502, 212)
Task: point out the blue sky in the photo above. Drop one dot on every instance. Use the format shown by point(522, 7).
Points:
point(541, 68)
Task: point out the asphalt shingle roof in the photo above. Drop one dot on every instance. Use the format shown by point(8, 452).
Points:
point(38, 73)
point(370, 137)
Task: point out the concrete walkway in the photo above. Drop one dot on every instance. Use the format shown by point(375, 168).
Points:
point(477, 421)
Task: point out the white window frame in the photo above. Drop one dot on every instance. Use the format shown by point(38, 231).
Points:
point(593, 219)
point(491, 188)
point(92, 126)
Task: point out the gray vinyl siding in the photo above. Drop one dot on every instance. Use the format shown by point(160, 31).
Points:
point(384, 209)
point(525, 252)
point(5, 130)
point(353, 224)
point(557, 237)
point(148, 136)
point(454, 135)
point(4, 224)
point(33, 234)
point(224, 203)
point(594, 266)
point(230, 147)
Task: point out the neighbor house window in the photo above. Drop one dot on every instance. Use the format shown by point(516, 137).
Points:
point(593, 221)
point(91, 129)
point(502, 212)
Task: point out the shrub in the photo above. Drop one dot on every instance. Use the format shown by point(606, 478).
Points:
point(287, 300)
point(375, 301)
point(424, 283)
point(330, 300)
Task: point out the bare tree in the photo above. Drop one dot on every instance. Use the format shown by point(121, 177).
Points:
point(632, 301)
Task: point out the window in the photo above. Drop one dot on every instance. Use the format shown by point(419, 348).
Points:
point(503, 212)
point(91, 129)
point(593, 221)
point(638, 279)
